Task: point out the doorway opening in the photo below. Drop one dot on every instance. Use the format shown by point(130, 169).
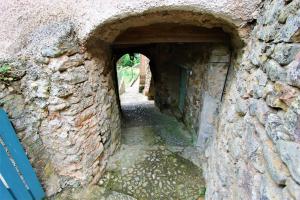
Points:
point(135, 82)
point(157, 158)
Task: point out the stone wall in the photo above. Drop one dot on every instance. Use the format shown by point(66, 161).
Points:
point(206, 66)
point(63, 104)
point(64, 109)
point(256, 151)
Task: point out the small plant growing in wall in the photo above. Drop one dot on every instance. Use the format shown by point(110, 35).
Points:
point(5, 71)
point(9, 74)
point(202, 191)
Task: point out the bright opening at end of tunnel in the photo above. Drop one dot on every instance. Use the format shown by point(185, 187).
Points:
point(134, 80)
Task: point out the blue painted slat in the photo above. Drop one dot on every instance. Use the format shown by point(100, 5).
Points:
point(4, 193)
point(10, 175)
point(11, 140)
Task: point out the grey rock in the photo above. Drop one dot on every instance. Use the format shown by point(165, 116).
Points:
point(291, 27)
point(72, 76)
point(53, 185)
point(58, 107)
point(293, 74)
point(274, 101)
point(268, 32)
point(252, 107)
point(241, 106)
point(292, 120)
point(262, 110)
point(63, 40)
point(61, 90)
point(63, 63)
point(274, 71)
point(261, 77)
point(293, 188)
point(255, 56)
point(275, 128)
point(42, 60)
point(52, 52)
point(290, 154)
point(269, 190)
point(273, 11)
point(241, 83)
point(285, 53)
point(268, 89)
point(40, 88)
point(13, 104)
point(77, 75)
point(258, 91)
point(275, 166)
point(290, 9)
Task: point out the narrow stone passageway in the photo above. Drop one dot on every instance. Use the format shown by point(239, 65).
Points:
point(150, 163)
point(155, 161)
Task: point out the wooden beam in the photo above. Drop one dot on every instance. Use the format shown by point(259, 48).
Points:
point(170, 33)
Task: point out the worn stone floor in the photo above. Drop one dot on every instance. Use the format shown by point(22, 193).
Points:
point(156, 160)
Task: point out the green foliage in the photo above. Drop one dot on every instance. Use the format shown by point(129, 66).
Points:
point(126, 61)
point(5, 71)
point(4, 68)
point(128, 74)
point(202, 191)
point(127, 69)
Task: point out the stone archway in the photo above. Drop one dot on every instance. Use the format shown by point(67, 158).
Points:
point(73, 99)
point(82, 126)
point(109, 36)
point(62, 98)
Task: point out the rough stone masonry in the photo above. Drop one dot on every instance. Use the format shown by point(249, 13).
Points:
point(63, 104)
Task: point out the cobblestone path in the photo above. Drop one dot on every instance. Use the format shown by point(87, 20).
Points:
point(156, 160)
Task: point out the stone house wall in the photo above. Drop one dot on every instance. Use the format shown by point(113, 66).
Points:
point(64, 108)
point(65, 112)
point(256, 151)
point(206, 65)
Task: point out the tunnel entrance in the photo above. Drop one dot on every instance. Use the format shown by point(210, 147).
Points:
point(189, 66)
point(164, 112)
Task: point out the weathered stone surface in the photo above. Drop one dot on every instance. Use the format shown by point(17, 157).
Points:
point(14, 104)
point(51, 52)
point(275, 102)
point(262, 110)
point(256, 57)
point(291, 8)
point(292, 120)
point(285, 53)
point(289, 152)
point(61, 91)
point(71, 112)
point(53, 185)
point(293, 188)
point(274, 71)
point(275, 128)
point(269, 190)
point(73, 76)
point(272, 12)
point(293, 73)
point(290, 29)
point(275, 166)
point(286, 93)
point(241, 106)
point(63, 63)
point(268, 33)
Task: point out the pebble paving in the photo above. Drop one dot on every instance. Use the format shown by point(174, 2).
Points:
point(150, 163)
